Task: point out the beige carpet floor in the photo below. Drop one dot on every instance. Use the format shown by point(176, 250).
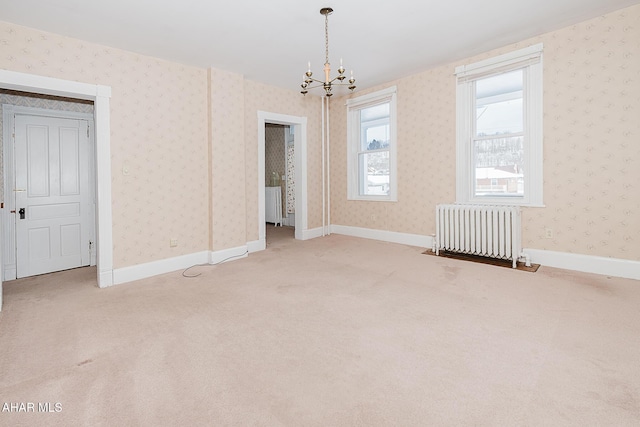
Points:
point(334, 331)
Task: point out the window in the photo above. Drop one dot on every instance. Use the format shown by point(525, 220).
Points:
point(371, 141)
point(499, 129)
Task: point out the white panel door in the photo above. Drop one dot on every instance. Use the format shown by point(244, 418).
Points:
point(53, 210)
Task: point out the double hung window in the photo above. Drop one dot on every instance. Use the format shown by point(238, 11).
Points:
point(499, 129)
point(371, 138)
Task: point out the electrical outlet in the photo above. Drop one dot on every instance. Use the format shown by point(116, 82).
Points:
point(548, 233)
point(173, 243)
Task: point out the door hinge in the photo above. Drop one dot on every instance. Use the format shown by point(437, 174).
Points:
point(87, 131)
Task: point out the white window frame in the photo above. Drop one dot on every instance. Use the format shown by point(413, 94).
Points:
point(354, 105)
point(529, 59)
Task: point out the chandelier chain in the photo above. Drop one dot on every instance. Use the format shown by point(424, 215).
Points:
point(326, 38)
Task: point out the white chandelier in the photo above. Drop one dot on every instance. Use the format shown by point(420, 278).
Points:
point(311, 83)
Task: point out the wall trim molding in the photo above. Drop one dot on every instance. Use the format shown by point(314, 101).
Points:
point(105, 278)
point(231, 254)
point(181, 262)
point(616, 267)
point(154, 268)
point(300, 156)
point(257, 245)
point(102, 116)
point(384, 235)
point(311, 233)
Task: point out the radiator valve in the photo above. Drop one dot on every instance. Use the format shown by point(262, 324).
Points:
point(526, 257)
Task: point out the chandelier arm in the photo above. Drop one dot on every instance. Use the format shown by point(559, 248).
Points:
point(316, 80)
point(313, 86)
point(336, 78)
point(323, 84)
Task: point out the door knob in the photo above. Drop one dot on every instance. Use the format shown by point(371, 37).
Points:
point(21, 212)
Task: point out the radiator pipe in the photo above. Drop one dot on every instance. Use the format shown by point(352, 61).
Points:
point(527, 258)
point(328, 136)
point(323, 170)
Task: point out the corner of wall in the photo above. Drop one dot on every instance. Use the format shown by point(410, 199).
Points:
point(227, 220)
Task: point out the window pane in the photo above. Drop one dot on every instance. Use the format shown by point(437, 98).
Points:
point(374, 173)
point(376, 112)
point(499, 166)
point(374, 127)
point(499, 104)
point(375, 137)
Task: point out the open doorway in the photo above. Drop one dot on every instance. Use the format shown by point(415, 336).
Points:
point(296, 219)
point(48, 219)
point(279, 180)
point(100, 96)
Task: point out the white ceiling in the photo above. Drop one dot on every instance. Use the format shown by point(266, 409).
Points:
point(272, 40)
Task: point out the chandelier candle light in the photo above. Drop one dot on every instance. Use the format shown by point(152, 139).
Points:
point(328, 83)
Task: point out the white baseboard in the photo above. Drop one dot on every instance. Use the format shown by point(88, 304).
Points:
point(10, 272)
point(309, 234)
point(153, 268)
point(105, 278)
point(257, 245)
point(586, 263)
point(384, 235)
point(231, 254)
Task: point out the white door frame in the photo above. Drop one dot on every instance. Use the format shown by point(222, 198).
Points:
point(9, 231)
point(100, 95)
point(300, 155)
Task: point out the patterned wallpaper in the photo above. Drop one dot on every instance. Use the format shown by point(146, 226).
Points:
point(228, 204)
point(591, 150)
point(591, 128)
point(36, 101)
point(274, 156)
point(160, 128)
point(426, 166)
point(262, 97)
point(290, 198)
point(235, 103)
point(158, 132)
